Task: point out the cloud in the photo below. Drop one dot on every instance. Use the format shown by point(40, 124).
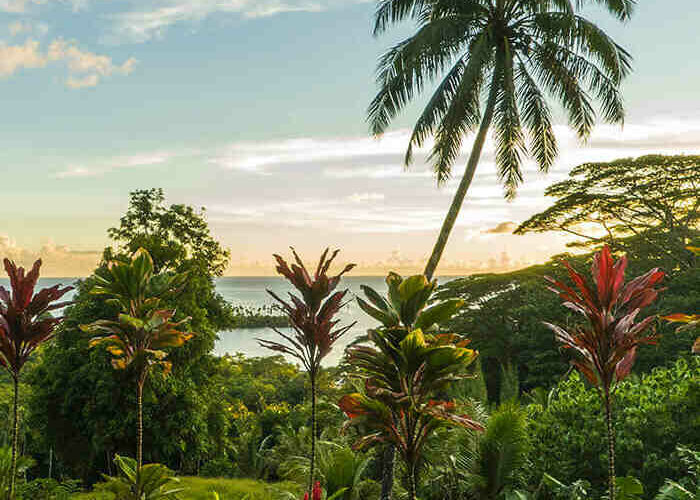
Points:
point(58, 260)
point(152, 20)
point(16, 57)
point(85, 69)
point(120, 162)
point(261, 157)
point(502, 228)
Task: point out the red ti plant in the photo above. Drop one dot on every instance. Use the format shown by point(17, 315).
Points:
point(25, 323)
point(311, 317)
point(315, 492)
point(605, 346)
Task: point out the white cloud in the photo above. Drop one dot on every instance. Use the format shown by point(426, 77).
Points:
point(120, 162)
point(85, 69)
point(152, 20)
point(261, 156)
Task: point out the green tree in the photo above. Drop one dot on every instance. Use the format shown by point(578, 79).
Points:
point(312, 319)
point(142, 330)
point(606, 345)
point(78, 401)
point(25, 323)
point(514, 52)
point(648, 207)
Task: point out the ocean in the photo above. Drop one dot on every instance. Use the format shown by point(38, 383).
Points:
point(252, 291)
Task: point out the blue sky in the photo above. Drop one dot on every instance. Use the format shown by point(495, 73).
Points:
point(255, 109)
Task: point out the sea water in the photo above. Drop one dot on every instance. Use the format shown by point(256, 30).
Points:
point(252, 292)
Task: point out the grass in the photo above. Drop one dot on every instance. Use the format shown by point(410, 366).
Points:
point(202, 488)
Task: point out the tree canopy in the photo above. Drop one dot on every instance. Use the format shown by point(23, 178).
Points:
point(648, 205)
point(83, 406)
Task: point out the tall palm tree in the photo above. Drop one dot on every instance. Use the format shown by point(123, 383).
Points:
point(507, 55)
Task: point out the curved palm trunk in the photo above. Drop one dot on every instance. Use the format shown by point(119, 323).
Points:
point(313, 433)
point(15, 436)
point(388, 472)
point(611, 444)
point(464, 184)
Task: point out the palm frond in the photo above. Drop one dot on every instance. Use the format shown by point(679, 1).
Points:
point(463, 114)
point(404, 69)
point(510, 143)
point(537, 118)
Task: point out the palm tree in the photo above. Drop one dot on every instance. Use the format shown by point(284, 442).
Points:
point(142, 330)
point(311, 316)
point(25, 323)
point(510, 54)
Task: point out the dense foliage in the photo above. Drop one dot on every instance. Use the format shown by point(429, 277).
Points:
point(79, 404)
point(655, 412)
point(504, 317)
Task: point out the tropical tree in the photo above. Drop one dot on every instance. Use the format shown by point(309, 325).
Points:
point(512, 52)
point(25, 323)
point(605, 347)
point(150, 482)
point(311, 317)
point(85, 429)
point(406, 371)
point(142, 330)
point(650, 204)
point(407, 307)
point(690, 321)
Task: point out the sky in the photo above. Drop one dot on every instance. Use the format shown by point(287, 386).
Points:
point(255, 110)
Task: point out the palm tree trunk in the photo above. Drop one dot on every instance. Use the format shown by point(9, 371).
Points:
point(15, 436)
point(139, 429)
point(412, 482)
point(464, 184)
point(611, 444)
point(312, 464)
point(388, 472)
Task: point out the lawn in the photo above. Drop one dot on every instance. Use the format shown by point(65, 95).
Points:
point(199, 488)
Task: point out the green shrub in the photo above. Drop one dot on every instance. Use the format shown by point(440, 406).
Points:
point(48, 489)
point(655, 413)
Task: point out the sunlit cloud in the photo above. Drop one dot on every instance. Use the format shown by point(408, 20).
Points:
point(85, 68)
